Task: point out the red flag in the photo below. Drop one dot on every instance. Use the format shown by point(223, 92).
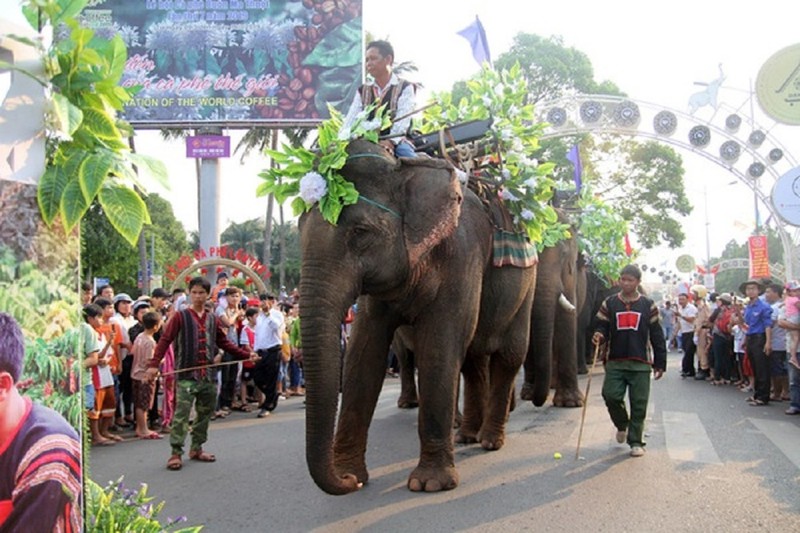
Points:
point(628, 249)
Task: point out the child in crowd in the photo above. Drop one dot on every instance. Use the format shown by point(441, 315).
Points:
point(101, 416)
point(792, 308)
point(739, 338)
point(143, 388)
point(247, 338)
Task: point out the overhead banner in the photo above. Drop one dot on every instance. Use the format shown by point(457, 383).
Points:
point(234, 62)
point(759, 257)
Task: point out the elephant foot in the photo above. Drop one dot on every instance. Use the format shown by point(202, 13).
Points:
point(527, 392)
point(433, 479)
point(491, 441)
point(466, 437)
point(407, 402)
point(568, 398)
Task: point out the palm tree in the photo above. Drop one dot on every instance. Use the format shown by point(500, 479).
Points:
point(247, 235)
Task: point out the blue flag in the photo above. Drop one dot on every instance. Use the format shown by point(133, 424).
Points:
point(575, 157)
point(476, 36)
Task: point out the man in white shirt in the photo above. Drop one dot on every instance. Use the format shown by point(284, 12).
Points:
point(686, 313)
point(268, 340)
point(386, 88)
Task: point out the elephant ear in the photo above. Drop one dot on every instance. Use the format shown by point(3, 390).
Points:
point(433, 205)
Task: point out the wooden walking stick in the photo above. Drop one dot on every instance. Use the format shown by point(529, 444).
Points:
point(586, 400)
point(201, 367)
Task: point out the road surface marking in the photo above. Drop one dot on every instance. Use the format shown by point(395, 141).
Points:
point(784, 435)
point(687, 439)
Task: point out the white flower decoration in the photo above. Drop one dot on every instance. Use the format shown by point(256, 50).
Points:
point(526, 214)
point(344, 133)
point(508, 195)
point(530, 182)
point(313, 187)
point(498, 89)
point(462, 176)
point(505, 173)
point(373, 124)
point(486, 100)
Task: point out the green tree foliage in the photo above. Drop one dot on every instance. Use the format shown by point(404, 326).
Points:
point(105, 253)
point(88, 158)
point(647, 176)
point(552, 69)
point(644, 182)
point(248, 236)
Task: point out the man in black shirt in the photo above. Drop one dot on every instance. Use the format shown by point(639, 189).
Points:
point(630, 321)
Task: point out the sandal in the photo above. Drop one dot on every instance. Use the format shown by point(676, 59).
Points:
point(174, 462)
point(150, 436)
point(203, 457)
point(115, 438)
point(757, 403)
point(106, 442)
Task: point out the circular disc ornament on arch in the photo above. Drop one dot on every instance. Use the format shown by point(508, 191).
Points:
point(685, 263)
point(786, 197)
point(778, 85)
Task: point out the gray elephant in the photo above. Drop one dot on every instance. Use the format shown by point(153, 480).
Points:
point(554, 327)
point(416, 250)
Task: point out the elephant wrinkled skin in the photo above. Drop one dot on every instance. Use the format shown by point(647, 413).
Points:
point(416, 250)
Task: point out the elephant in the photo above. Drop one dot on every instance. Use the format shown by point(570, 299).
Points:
point(415, 249)
point(403, 348)
point(556, 305)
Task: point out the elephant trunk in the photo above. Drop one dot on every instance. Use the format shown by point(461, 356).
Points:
point(323, 307)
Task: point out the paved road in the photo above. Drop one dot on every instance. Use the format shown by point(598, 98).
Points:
point(713, 463)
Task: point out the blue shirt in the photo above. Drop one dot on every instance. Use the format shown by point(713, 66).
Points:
point(758, 317)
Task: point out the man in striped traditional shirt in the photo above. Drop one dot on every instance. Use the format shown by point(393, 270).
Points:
point(40, 461)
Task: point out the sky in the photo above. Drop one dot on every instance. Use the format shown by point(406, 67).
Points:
point(655, 52)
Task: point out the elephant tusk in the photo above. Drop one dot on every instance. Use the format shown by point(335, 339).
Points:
point(565, 304)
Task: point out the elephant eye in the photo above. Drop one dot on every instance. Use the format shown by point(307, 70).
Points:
point(361, 236)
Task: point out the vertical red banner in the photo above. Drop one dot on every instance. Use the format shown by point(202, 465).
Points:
point(759, 257)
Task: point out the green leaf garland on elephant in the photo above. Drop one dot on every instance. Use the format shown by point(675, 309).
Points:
point(415, 249)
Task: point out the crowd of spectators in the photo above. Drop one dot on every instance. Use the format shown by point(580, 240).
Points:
point(749, 340)
point(120, 339)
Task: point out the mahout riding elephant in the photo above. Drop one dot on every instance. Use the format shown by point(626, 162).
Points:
point(554, 326)
point(416, 249)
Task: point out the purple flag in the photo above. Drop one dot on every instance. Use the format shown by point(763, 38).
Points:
point(476, 36)
point(575, 157)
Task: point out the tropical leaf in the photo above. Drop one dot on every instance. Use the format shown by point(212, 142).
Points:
point(68, 116)
point(100, 125)
point(93, 172)
point(125, 211)
point(51, 188)
point(155, 168)
point(73, 204)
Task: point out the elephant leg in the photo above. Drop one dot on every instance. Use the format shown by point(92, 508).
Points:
point(504, 367)
point(566, 366)
point(476, 388)
point(408, 387)
point(439, 352)
point(364, 371)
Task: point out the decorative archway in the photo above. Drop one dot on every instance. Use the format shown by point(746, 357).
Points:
point(757, 159)
point(219, 261)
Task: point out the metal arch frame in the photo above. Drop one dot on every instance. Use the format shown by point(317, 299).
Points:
point(220, 261)
point(575, 125)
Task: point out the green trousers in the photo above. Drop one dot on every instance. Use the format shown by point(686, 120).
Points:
point(203, 394)
point(634, 378)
